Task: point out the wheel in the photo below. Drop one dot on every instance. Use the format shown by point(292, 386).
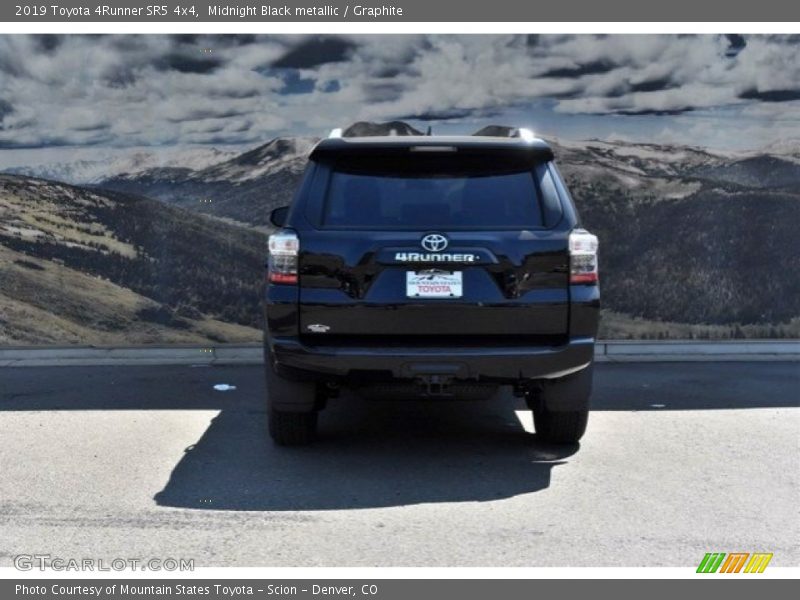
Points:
point(562, 427)
point(292, 407)
point(292, 428)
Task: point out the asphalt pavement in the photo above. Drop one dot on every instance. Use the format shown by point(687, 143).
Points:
point(679, 459)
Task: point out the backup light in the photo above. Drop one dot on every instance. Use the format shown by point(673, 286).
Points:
point(582, 258)
point(284, 247)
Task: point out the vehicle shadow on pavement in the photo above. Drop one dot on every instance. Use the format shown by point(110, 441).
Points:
point(368, 454)
point(381, 453)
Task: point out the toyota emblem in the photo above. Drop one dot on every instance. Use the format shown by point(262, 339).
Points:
point(434, 242)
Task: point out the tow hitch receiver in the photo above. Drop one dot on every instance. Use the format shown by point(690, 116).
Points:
point(435, 386)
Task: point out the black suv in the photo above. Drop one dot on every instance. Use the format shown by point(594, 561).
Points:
point(435, 267)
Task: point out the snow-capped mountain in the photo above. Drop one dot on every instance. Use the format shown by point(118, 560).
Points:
point(280, 153)
point(785, 147)
point(666, 171)
point(84, 171)
point(244, 188)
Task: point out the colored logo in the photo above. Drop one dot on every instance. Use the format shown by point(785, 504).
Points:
point(434, 242)
point(735, 562)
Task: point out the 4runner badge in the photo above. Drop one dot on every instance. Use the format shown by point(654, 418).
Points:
point(318, 328)
point(458, 257)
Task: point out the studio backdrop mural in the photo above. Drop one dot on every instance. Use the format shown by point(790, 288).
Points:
point(137, 173)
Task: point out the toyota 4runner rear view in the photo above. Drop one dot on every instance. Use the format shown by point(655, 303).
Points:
point(430, 267)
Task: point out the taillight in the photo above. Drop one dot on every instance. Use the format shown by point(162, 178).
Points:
point(582, 257)
point(283, 250)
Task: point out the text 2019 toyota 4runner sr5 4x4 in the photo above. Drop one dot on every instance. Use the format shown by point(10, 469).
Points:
point(431, 266)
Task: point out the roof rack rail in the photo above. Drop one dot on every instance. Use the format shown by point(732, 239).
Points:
point(526, 134)
point(523, 133)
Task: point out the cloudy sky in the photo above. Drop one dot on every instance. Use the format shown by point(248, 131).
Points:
point(101, 92)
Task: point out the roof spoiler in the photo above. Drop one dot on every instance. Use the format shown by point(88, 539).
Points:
point(341, 148)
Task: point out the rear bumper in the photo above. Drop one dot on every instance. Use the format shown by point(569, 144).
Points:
point(503, 364)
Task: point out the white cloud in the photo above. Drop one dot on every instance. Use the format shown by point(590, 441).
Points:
point(148, 90)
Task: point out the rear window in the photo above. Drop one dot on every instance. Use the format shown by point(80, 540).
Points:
point(431, 200)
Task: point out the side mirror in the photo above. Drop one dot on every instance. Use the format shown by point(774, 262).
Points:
point(278, 216)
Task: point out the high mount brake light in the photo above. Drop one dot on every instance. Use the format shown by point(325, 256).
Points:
point(582, 257)
point(433, 149)
point(284, 247)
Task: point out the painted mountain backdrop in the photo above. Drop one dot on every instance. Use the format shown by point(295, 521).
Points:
point(694, 243)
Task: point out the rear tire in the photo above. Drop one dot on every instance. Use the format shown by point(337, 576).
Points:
point(292, 428)
point(562, 427)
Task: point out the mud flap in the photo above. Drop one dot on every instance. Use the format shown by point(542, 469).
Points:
point(291, 396)
point(571, 393)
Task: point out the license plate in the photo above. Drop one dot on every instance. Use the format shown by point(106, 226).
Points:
point(433, 284)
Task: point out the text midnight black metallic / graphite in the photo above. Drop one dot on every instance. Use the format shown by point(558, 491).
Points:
point(406, 10)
